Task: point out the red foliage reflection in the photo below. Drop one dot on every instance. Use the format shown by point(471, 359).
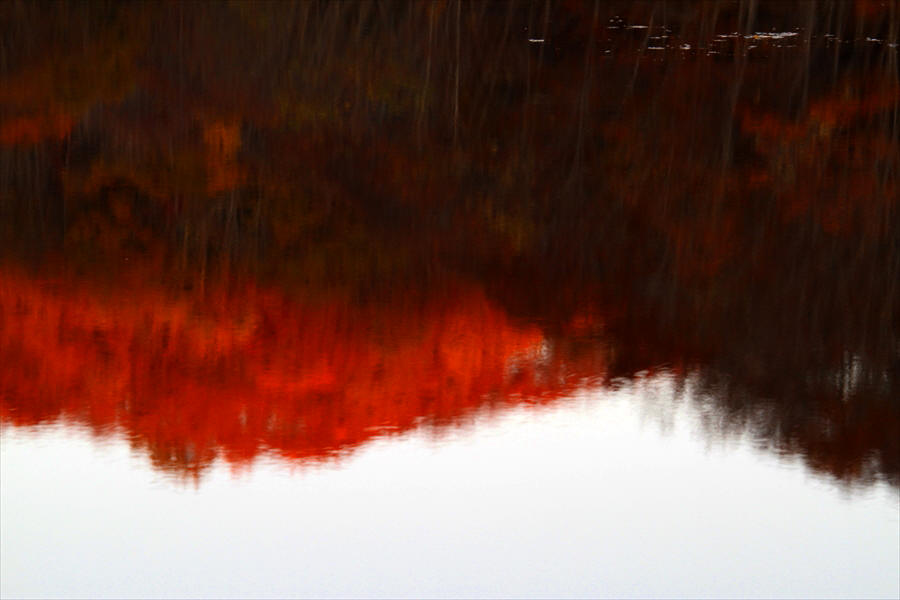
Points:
point(240, 372)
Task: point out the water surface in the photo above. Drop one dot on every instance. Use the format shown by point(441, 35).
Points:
point(450, 299)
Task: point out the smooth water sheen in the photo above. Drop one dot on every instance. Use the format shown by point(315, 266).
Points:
point(450, 299)
point(597, 496)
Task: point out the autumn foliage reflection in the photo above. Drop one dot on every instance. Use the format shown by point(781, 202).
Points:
point(241, 228)
point(241, 373)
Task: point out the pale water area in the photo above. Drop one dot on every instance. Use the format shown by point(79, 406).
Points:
point(604, 494)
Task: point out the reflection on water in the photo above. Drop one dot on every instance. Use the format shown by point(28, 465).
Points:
point(238, 372)
point(353, 229)
point(250, 230)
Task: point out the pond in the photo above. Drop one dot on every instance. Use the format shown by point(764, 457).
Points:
point(450, 299)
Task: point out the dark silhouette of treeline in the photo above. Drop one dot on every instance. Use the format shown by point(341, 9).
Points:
point(708, 188)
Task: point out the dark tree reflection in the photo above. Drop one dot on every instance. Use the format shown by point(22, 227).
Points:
point(235, 228)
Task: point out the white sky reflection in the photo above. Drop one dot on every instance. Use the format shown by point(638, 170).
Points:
point(607, 494)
